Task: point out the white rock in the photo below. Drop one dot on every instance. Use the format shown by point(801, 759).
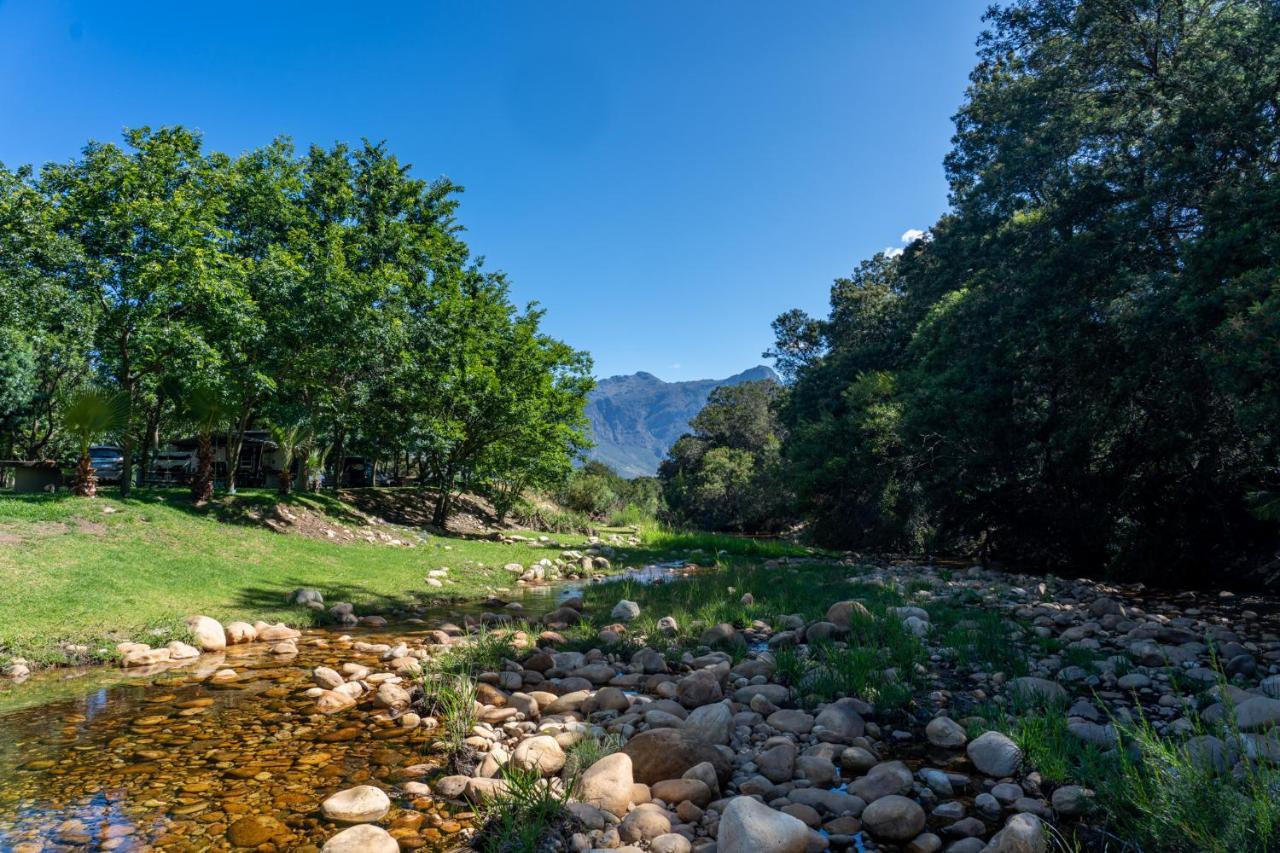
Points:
point(542, 753)
point(208, 633)
point(362, 839)
point(361, 804)
point(625, 611)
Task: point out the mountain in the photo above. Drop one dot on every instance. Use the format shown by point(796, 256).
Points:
point(635, 419)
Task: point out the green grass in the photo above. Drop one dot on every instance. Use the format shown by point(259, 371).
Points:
point(586, 752)
point(521, 819)
point(981, 638)
point(877, 662)
point(452, 698)
point(1151, 793)
point(71, 573)
point(714, 548)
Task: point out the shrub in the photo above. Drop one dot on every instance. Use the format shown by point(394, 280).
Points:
point(524, 817)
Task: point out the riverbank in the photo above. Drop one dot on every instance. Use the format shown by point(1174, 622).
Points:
point(795, 704)
point(78, 576)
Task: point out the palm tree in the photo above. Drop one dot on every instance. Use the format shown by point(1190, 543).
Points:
point(315, 464)
point(89, 414)
point(206, 409)
point(290, 440)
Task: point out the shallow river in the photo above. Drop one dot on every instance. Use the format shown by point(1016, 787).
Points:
point(106, 759)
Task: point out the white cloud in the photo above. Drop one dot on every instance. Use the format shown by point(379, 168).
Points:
point(675, 366)
point(890, 252)
point(911, 235)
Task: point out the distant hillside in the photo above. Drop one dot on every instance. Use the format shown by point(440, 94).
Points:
point(635, 419)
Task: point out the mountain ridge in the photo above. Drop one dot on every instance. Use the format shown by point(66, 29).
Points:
point(636, 417)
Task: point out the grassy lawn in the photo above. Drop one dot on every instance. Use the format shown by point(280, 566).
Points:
point(72, 572)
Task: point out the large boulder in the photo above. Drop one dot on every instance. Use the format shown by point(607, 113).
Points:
point(361, 839)
point(361, 804)
point(995, 754)
point(698, 689)
point(241, 632)
point(607, 784)
point(842, 612)
point(393, 696)
point(541, 753)
point(666, 753)
point(645, 823)
point(207, 633)
point(777, 760)
point(887, 777)
point(676, 791)
point(946, 733)
point(839, 722)
point(749, 826)
point(332, 702)
point(894, 818)
point(1023, 833)
point(625, 611)
point(1038, 691)
point(789, 720)
point(1257, 714)
point(710, 723)
point(305, 596)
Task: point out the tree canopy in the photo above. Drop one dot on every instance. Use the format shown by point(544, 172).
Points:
point(327, 293)
point(1078, 367)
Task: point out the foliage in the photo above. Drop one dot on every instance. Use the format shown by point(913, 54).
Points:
point(596, 490)
point(328, 288)
point(91, 414)
point(878, 661)
point(452, 697)
point(584, 753)
point(1077, 365)
point(726, 474)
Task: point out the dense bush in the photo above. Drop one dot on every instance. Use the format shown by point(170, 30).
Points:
point(1079, 365)
point(598, 491)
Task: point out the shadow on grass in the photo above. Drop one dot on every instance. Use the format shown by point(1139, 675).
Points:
point(246, 507)
point(273, 596)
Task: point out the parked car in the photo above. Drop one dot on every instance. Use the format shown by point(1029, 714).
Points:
point(108, 462)
point(174, 465)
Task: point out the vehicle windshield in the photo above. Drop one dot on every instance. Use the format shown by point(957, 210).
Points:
point(104, 453)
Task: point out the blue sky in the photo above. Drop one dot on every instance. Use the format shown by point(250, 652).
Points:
point(665, 178)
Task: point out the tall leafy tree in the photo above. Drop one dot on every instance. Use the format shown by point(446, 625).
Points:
point(1073, 369)
point(147, 220)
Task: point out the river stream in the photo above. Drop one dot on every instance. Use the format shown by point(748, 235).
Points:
point(106, 759)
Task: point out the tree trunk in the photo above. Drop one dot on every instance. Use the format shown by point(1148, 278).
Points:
point(440, 518)
point(85, 483)
point(285, 487)
point(202, 483)
point(150, 440)
point(341, 463)
point(234, 446)
point(126, 444)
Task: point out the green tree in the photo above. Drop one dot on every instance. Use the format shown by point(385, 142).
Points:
point(726, 474)
point(146, 219)
point(1077, 367)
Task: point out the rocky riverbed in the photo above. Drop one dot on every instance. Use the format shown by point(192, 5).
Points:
point(326, 740)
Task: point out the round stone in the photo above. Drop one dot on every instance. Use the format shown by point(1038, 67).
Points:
point(361, 804)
